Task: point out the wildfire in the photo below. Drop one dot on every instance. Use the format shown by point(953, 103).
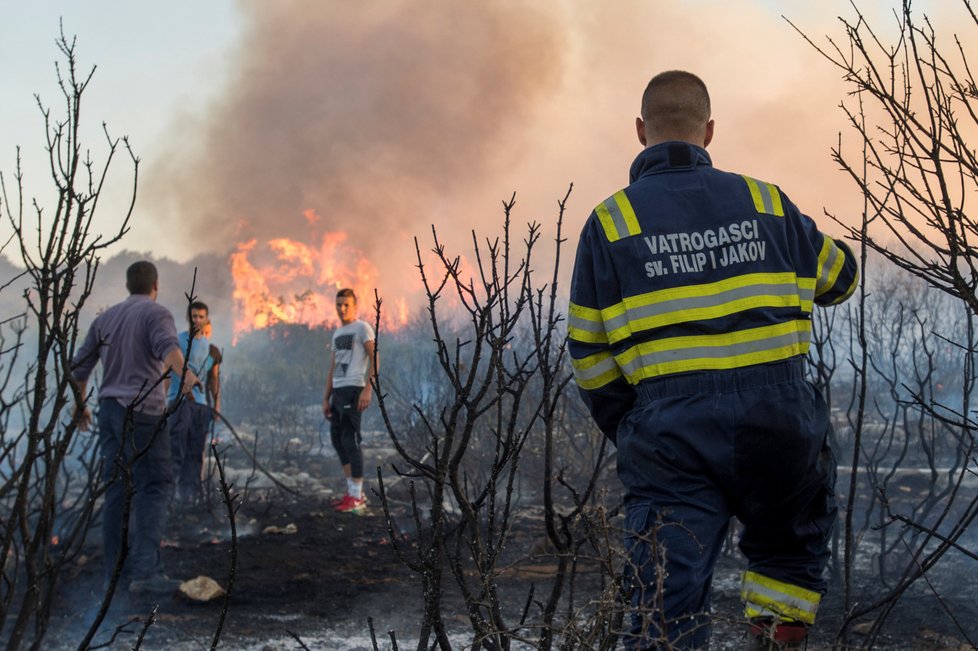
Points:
point(287, 281)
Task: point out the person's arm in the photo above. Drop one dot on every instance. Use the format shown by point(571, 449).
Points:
point(838, 274)
point(372, 362)
point(173, 362)
point(214, 376)
point(603, 387)
point(214, 386)
point(836, 269)
point(86, 357)
point(82, 414)
point(329, 385)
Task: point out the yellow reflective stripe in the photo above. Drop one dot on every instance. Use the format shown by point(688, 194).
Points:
point(607, 222)
point(763, 595)
point(715, 352)
point(615, 320)
point(719, 299)
point(627, 213)
point(831, 259)
point(585, 324)
point(826, 255)
point(706, 301)
point(595, 371)
point(767, 197)
point(617, 217)
point(586, 336)
point(755, 193)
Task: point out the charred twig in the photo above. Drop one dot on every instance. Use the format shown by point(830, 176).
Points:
point(373, 633)
point(142, 633)
point(231, 505)
point(252, 457)
point(302, 645)
point(119, 630)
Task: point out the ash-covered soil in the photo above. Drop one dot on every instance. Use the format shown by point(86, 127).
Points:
point(314, 583)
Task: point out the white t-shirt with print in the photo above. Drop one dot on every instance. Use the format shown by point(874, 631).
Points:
point(350, 368)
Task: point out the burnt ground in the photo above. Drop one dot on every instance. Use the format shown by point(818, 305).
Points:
point(315, 588)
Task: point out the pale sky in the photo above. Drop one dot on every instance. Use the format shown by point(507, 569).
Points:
point(153, 60)
point(387, 117)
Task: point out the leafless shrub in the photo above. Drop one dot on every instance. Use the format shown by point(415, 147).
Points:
point(912, 110)
point(488, 445)
point(231, 505)
point(47, 478)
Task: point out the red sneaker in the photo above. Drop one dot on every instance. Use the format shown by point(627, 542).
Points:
point(336, 501)
point(352, 505)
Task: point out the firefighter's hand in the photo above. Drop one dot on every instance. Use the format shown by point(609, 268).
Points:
point(82, 418)
point(364, 401)
point(327, 412)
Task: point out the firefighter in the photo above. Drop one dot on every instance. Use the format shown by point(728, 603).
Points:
point(689, 325)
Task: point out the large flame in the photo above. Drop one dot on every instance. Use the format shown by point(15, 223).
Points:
point(287, 281)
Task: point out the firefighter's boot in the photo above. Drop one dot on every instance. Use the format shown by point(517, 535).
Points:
point(767, 634)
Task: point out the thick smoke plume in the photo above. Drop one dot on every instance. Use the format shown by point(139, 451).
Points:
point(356, 117)
point(376, 120)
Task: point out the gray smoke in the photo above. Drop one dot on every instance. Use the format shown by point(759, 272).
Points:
point(368, 114)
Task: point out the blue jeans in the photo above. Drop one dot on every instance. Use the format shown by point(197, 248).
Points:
point(188, 438)
point(139, 444)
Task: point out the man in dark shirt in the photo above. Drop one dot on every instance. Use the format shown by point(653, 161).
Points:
point(136, 341)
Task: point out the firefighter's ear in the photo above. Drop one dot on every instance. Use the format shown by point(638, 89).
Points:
point(640, 130)
point(708, 137)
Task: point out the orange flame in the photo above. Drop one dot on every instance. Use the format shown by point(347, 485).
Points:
point(287, 281)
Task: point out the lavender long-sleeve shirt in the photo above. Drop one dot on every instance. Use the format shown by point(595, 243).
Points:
point(131, 339)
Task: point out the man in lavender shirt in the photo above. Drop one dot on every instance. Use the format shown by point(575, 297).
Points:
point(136, 341)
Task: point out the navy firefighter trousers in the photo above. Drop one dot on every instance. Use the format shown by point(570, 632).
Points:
point(702, 447)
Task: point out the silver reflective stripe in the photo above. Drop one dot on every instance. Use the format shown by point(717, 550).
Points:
point(766, 190)
point(598, 369)
point(579, 322)
point(713, 301)
point(655, 358)
point(770, 598)
point(620, 226)
point(823, 274)
point(615, 322)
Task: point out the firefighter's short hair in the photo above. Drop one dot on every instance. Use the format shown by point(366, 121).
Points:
point(676, 102)
point(346, 291)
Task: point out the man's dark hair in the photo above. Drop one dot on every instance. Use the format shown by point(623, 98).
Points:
point(675, 102)
point(346, 291)
point(197, 305)
point(141, 277)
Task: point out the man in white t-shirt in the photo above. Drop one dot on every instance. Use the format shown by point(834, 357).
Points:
point(352, 368)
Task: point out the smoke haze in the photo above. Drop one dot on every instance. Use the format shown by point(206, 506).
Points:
point(358, 118)
point(380, 119)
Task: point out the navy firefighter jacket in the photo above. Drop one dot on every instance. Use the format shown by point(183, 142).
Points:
point(690, 268)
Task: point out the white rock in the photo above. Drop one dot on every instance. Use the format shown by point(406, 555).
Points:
point(202, 588)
